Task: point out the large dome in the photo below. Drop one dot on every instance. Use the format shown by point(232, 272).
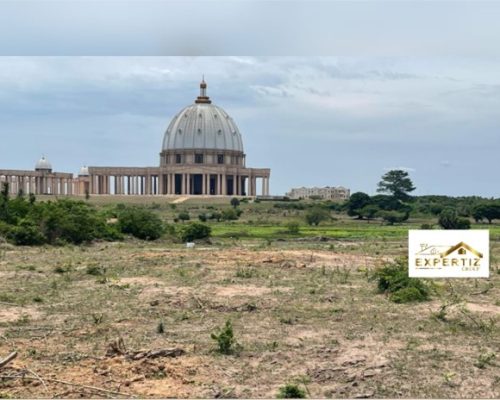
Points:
point(202, 125)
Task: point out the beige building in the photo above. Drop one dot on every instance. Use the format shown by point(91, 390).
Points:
point(338, 193)
point(202, 154)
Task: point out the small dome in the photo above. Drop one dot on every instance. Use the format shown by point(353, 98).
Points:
point(84, 171)
point(43, 163)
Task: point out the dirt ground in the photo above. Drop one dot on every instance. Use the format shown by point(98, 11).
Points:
point(83, 319)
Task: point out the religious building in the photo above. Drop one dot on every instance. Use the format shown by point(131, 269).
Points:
point(202, 154)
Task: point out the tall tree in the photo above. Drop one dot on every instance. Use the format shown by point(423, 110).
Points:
point(397, 183)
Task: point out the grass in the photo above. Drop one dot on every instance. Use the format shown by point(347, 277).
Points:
point(297, 307)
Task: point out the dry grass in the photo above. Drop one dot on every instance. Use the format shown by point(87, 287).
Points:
point(301, 313)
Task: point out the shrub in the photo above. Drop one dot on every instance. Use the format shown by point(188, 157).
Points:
point(183, 216)
point(291, 391)
point(235, 202)
point(226, 343)
point(449, 219)
point(202, 217)
point(316, 215)
point(27, 233)
point(293, 227)
point(393, 279)
point(230, 214)
point(141, 223)
point(193, 231)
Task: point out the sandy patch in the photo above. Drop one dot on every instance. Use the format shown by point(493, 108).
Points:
point(13, 314)
point(249, 290)
point(483, 308)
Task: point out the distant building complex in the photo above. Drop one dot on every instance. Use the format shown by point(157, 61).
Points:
point(338, 193)
point(202, 154)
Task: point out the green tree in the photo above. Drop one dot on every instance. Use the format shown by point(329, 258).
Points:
point(449, 219)
point(356, 202)
point(397, 183)
point(369, 211)
point(392, 217)
point(316, 215)
point(489, 211)
point(194, 231)
point(235, 202)
point(141, 223)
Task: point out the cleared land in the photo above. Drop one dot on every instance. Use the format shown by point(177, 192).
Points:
point(303, 308)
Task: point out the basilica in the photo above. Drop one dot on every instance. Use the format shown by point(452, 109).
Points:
point(202, 154)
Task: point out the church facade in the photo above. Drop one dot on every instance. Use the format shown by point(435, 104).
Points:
point(202, 154)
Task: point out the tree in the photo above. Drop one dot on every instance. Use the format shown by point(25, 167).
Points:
point(235, 202)
point(369, 211)
point(392, 217)
point(141, 223)
point(356, 202)
point(489, 211)
point(449, 219)
point(397, 183)
point(193, 231)
point(316, 215)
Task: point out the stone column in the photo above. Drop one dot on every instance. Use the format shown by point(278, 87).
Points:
point(224, 184)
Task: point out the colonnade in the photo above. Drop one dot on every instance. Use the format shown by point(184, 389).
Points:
point(37, 183)
point(109, 183)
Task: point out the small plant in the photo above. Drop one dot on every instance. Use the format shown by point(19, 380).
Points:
point(485, 359)
point(245, 273)
point(160, 328)
point(226, 343)
point(291, 391)
point(95, 270)
point(97, 318)
point(293, 228)
point(393, 279)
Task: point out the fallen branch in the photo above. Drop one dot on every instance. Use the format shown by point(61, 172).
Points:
point(94, 388)
point(8, 359)
point(175, 352)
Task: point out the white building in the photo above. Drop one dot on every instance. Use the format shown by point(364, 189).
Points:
point(338, 193)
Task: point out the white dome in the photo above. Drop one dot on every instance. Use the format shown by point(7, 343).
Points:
point(43, 163)
point(84, 171)
point(203, 126)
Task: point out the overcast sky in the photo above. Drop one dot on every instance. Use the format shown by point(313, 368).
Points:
point(401, 84)
point(313, 121)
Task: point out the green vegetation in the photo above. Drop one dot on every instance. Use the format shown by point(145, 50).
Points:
point(194, 231)
point(141, 223)
point(397, 183)
point(226, 343)
point(316, 215)
point(291, 391)
point(393, 279)
point(449, 219)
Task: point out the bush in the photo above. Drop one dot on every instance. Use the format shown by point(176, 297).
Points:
point(291, 391)
point(226, 343)
point(393, 279)
point(183, 216)
point(293, 227)
point(235, 202)
point(449, 219)
point(193, 231)
point(202, 217)
point(26, 233)
point(229, 214)
point(316, 215)
point(140, 223)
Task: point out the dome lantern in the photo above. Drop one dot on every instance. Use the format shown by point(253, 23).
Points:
point(203, 98)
